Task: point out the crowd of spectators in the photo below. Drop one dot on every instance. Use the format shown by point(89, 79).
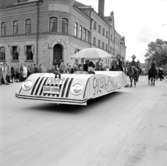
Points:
point(10, 74)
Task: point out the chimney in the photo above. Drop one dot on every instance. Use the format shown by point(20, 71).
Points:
point(101, 8)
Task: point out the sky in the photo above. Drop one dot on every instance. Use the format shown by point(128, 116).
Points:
point(140, 21)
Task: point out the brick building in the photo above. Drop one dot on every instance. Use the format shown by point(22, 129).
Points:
point(48, 31)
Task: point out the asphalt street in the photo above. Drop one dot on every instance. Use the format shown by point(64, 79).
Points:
point(125, 128)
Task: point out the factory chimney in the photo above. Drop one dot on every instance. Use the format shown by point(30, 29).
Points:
point(101, 8)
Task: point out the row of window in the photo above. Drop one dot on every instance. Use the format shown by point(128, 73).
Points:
point(81, 32)
point(15, 51)
point(53, 26)
point(101, 45)
point(15, 28)
point(100, 29)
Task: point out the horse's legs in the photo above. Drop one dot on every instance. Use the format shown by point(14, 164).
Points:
point(134, 82)
point(148, 81)
point(130, 81)
point(153, 81)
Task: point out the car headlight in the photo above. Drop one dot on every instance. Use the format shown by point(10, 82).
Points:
point(27, 85)
point(76, 89)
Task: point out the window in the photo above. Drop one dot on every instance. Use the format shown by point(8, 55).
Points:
point(99, 43)
point(103, 45)
point(65, 25)
point(99, 30)
point(106, 47)
point(84, 33)
point(111, 37)
point(103, 32)
point(80, 32)
point(15, 53)
point(107, 34)
point(110, 49)
point(15, 27)
point(2, 53)
point(53, 24)
point(94, 41)
point(76, 29)
point(94, 25)
point(29, 52)
point(87, 36)
point(3, 29)
point(28, 26)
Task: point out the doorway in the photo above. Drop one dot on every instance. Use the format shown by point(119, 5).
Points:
point(57, 54)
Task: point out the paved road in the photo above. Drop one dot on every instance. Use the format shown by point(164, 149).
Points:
point(126, 128)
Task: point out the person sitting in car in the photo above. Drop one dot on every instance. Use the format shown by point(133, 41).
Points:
point(91, 68)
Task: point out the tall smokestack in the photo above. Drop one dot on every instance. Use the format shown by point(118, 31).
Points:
point(101, 8)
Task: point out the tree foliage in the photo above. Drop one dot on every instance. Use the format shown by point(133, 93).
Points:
point(157, 51)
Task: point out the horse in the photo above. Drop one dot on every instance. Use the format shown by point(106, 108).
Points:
point(133, 74)
point(152, 73)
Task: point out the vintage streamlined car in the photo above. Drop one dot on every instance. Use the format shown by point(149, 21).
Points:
point(74, 89)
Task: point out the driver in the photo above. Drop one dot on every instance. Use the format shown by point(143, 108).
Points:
point(91, 68)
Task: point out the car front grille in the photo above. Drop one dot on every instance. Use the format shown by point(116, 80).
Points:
point(64, 88)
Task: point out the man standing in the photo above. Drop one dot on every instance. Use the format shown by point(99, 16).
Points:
point(5, 73)
point(119, 63)
point(25, 72)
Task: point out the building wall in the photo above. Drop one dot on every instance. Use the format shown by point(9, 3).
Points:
point(120, 48)
point(47, 39)
point(99, 35)
point(71, 42)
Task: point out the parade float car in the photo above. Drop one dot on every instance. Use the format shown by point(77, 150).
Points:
point(75, 89)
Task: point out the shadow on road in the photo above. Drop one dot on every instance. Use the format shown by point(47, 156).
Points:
point(74, 109)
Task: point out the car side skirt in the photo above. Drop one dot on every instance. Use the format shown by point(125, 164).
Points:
point(54, 100)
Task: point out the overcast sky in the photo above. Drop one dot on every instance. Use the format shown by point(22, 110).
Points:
point(140, 21)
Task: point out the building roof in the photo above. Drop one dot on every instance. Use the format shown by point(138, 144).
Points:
point(10, 3)
point(79, 4)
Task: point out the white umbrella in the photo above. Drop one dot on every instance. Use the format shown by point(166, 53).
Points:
point(91, 53)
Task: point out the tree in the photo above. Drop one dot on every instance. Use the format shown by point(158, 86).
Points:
point(157, 51)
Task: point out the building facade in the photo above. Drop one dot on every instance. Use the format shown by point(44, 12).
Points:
point(50, 31)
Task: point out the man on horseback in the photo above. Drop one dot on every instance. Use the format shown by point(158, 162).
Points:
point(133, 62)
point(132, 71)
point(152, 73)
point(136, 66)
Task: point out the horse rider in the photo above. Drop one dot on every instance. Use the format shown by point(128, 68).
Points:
point(136, 65)
point(160, 74)
point(133, 62)
point(152, 72)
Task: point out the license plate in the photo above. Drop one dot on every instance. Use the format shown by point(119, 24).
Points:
point(54, 81)
point(51, 90)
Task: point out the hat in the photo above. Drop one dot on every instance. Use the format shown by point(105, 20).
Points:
point(133, 56)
